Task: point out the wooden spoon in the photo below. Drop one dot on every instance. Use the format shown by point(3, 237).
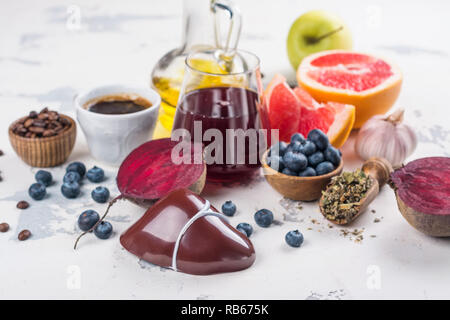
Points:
point(378, 170)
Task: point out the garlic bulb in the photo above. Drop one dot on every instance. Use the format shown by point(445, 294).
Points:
point(386, 137)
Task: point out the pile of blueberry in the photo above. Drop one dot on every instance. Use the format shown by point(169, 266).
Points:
point(71, 186)
point(313, 156)
point(263, 218)
point(72, 180)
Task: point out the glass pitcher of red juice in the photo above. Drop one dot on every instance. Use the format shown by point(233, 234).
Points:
point(221, 108)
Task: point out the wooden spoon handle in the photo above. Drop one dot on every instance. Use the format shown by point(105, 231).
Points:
point(378, 168)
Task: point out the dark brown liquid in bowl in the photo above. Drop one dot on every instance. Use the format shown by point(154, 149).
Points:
point(118, 104)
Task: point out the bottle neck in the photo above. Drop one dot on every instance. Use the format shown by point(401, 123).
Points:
point(198, 25)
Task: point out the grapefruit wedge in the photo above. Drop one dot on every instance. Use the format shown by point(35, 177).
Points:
point(283, 107)
point(295, 110)
point(343, 123)
point(368, 82)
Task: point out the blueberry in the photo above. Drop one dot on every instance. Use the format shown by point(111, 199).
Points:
point(78, 167)
point(308, 148)
point(100, 194)
point(294, 238)
point(88, 219)
point(290, 147)
point(319, 138)
point(315, 158)
point(278, 149)
point(295, 161)
point(333, 155)
point(324, 168)
point(103, 230)
point(276, 163)
point(264, 218)
point(70, 190)
point(95, 174)
point(44, 177)
point(245, 228)
point(37, 191)
point(288, 172)
point(308, 172)
point(72, 176)
point(298, 137)
point(296, 147)
point(229, 208)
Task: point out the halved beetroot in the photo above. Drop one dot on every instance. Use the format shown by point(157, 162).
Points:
point(154, 169)
point(422, 189)
point(149, 172)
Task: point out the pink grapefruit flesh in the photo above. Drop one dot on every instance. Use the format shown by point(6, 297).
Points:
point(355, 72)
point(283, 108)
point(369, 83)
point(295, 110)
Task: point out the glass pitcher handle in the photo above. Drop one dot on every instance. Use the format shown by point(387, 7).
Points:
point(229, 44)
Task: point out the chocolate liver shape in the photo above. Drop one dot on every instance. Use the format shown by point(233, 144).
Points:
point(209, 246)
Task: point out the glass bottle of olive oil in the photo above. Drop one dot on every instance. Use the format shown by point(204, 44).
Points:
point(202, 21)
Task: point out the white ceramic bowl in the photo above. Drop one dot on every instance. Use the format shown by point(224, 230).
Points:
point(112, 137)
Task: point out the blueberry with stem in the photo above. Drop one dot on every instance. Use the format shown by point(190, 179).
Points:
point(100, 194)
point(229, 208)
point(103, 230)
point(95, 174)
point(263, 218)
point(294, 238)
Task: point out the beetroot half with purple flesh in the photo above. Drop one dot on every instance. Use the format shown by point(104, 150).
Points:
point(149, 172)
point(422, 188)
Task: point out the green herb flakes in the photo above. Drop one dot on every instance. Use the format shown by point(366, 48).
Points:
point(341, 200)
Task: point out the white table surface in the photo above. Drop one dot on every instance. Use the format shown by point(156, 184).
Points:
point(43, 63)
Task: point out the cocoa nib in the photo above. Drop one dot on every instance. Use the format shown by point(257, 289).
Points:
point(22, 204)
point(24, 235)
point(4, 227)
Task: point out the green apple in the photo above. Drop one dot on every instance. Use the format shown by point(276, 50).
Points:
point(316, 31)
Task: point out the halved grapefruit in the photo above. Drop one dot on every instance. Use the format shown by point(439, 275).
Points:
point(368, 82)
point(295, 110)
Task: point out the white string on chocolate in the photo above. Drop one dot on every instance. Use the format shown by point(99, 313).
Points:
point(205, 211)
